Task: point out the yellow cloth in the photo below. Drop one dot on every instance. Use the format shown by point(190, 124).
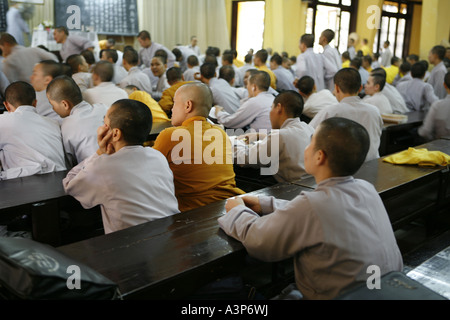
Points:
point(273, 77)
point(421, 157)
point(158, 114)
point(346, 64)
point(366, 51)
point(103, 44)
point(197, 185)
point(238, 63)
point(166, 102)
point(391, 73)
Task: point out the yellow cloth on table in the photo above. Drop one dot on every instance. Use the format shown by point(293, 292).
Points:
point(421, 157)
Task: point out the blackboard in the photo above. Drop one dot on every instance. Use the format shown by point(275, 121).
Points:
point(112, 17)
point(3, 11)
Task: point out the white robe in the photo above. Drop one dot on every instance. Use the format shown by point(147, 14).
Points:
point(137, 78)
point(311, 64)
point(29, 144)
point(106, 93)
point(79, 132)
point(380, 101)
point(355, 109)
point(133, 186)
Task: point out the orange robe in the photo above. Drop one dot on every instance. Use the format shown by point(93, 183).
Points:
point(199, 180)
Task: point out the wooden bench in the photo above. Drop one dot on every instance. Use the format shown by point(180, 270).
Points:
point(172, 257)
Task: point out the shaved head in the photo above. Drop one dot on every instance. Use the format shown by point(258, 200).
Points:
point(201, 96)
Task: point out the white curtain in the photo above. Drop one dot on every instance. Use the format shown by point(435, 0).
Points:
point(173, 22)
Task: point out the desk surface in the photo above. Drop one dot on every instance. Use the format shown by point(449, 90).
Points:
point(187, 245)
point(385, 176)
point(157, 128)
point(415, 118)
point(31, 190)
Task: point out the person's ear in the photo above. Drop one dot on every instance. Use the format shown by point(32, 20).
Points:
point(189, 106)
point(67, 105)
point(360, 89)
point(321, 158)
point(47, 80)
point(8, 107)
point(117, 135)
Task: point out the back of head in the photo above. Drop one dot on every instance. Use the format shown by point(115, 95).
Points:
point(193, 61)
point(133, 118)
point(292, 102)
point(248, 58)
point(413, 58)
point(439, 51)
point(329, 35)
point(379, 71)
point(418, 71)
point(346, 144)
point(346, 55)
point(405, 67)
point(367, 59)
point(111, 54)
point(228, 57)
point(104, 70)
point(131, 57)
point(395, 60)
point(178, 54)
point(262, 55)
point(348, 80)
point(211, 59)
point(174, 75)
point(227, 73)
point(51, 68)
point(64, 88)
point(20, 94)
point(75, 61)
point(306, 85)
point(425, 64)
point(8, 39)
point(277, 59)
point(208, 70)
point(261, 79)
point(88, 56)
point(356, 63)
point(200, 95)
point(307, 40)
point(447, 80)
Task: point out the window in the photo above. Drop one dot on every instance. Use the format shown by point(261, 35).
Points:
point(337, 15)
point(395, 27)
point(248, 25)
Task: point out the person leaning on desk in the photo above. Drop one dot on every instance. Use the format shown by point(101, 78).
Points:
point(333, 233)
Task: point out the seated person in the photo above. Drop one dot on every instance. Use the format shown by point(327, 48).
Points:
point(193, 67)
point(224, 94)
point(418, 95)
point(437, 121)
point(30, 144)
point(335, 233)
point(285, 78)
point(104, 90)
point(121, 177)
point(374, 95)
point(112, 56)
point(393, 70)
point(80, 71)
point(345, 60)
point(135, 76)
point(255, 112)
point(398, 104)
point(228, 60)
point(43, 73)
point(80, 119)
point(350, 106)
point(200, 178)
point(158, 114)
point(159, 68)
point(289, 138)
point(404, 73)
point(314, 101)
point(175, 81)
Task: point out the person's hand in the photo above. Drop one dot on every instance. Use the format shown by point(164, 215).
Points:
point(104, 137)
point(233, 203)
point(197, 76)
point(218, 110)
point(253, 204)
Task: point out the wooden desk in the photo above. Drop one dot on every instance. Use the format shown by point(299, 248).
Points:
point(397, 137)
point(172, 257)
point(407, 191)
point(40, 196)
point(157, 128)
